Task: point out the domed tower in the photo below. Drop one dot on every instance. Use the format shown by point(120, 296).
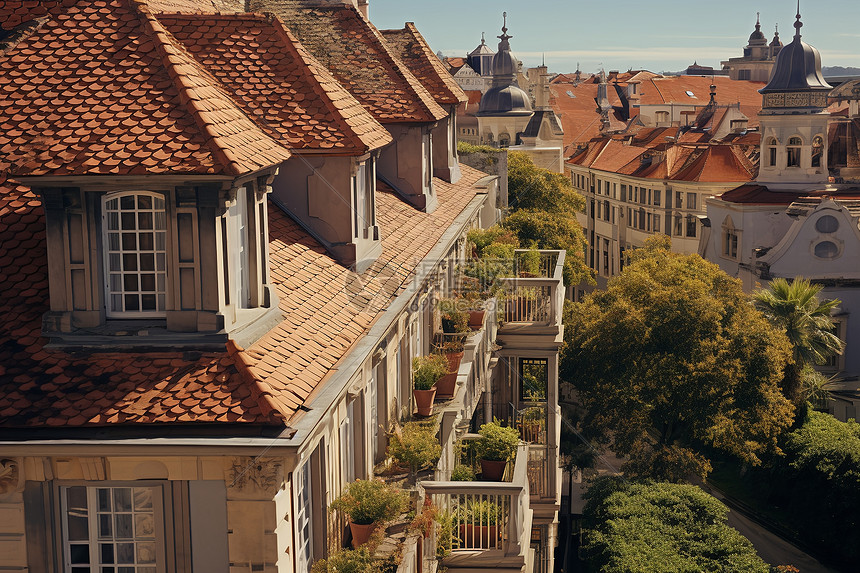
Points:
point(775, 44)
point(794, 118)
point(481, 58)
point(757, 44)
point(505, 109)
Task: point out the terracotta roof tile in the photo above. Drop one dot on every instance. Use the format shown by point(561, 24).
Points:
point(411, 47)
point(265, 384)
point(358, 57)
point(277, 82)
point(79, 98)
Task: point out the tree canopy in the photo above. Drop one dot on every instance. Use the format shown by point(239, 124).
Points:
point(543, 207)
point(794, 307)
point(632, 527)
point(674, 353)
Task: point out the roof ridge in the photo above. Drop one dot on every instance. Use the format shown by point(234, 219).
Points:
point(424, 98)
point(316, 69)
point(453, 88)
point(169, 49)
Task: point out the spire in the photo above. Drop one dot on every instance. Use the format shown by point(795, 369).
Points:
point(798, 24)
point(757, 21)
point(504, 45)
point(483, 43)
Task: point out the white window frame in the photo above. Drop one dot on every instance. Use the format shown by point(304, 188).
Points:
point(304, 549)
point(160, 276)
point(94, 517)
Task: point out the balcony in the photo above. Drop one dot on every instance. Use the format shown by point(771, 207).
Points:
point(488, 524)
point(534, 305)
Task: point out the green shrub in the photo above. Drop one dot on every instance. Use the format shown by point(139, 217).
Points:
point(498, 443)
point(528, 262)
point(427, 370)
point(483, 512)
point(369, 501)
point(346, 561)
point(462, 473)
point(455, 316)
point(415, 446)
point(633, 526)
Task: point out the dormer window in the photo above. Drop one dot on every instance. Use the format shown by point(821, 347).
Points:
point(793, 148)
point(363, 186)
point(135, 229)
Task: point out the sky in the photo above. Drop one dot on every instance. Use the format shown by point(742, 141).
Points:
point(657, 35)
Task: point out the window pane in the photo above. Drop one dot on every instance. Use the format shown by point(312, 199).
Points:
point(129, 242)
point(104, 499)
point(76, 498)
point(122, 521)
point(115, 285)
point(131, 302)
point(125, 553)
point(146, 553)
point(113, 221)
point(129, 262)
point(126, 202)
point(128, 223)
point(159, 241)
point(144, 220)
point(159, 259)
point(144, 201)
point(115, 264)
point(116, 302)
point(160, 221)
point(107, 552)
point(147, 302)
point(79, 553)
point(147, 282)
point(130, 282)
point(105, 530)
point(147, 262)
point(144, 525)
point(147, 242)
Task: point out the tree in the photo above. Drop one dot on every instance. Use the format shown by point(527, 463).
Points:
point(633, 527)
point(543, 207)
point(673, 356)
point(794, 308)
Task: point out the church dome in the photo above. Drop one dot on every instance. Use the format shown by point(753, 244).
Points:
point(505, 100)
point(797, 68)
point(504, 64)
point(757, 37)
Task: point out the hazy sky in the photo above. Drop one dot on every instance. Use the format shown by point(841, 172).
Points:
point(658, 35)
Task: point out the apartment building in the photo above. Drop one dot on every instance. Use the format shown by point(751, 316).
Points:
point(222, 247)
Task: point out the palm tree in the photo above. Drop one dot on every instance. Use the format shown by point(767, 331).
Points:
point(795, 308)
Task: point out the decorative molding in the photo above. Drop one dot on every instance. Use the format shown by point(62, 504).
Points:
point(10, 475)
point(251, 473)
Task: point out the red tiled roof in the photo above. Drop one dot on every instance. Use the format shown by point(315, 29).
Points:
point(277, 82)
point(579, 118)
point(673, 89)
point(102, 88)
point(718, 164)
point(44, 387)
point(411, 47)
point(326, 309)
point(755, 194)
point(13, 13)
point(354, 51)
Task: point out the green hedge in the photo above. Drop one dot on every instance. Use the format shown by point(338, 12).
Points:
point(818, 481)
point(634, 527)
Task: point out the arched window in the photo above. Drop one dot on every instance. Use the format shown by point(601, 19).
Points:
point(135, 237)
point(793, 149)
point(817, 150)
point(771, 152)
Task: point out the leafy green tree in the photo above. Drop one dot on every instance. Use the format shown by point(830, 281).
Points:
point(543, 207)
point(673, 355)
point(673, 528)
point(794, 308)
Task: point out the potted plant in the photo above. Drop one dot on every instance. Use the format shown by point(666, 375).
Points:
point(346, 560)
point(462, 473)
point(497, 445)
point(416, 446)
point(479, 524)
point(455, 319)
point(367, 503)
point(533, 420)
point(452, 350)
point(425, 520)
point(426, 371)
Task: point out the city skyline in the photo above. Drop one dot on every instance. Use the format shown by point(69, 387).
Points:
point(667, 35)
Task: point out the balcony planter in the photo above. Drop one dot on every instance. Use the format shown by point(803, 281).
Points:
point(455, 317)
point(497, 445)
point(479, 536)
point(453, 353)
point(368, 503)
point(476, 319)
point(426, 372)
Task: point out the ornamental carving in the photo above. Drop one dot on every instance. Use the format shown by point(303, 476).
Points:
point(252, 473)
point(10, 472)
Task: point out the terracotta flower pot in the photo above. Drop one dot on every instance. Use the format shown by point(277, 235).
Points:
point(424, 401)
point(479, 536)
point(476, 319)
point(446, 385)
point(493, 470)
point(360, 533)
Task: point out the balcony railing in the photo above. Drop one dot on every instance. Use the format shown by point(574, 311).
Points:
point(487, 519)
point(535, 301)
